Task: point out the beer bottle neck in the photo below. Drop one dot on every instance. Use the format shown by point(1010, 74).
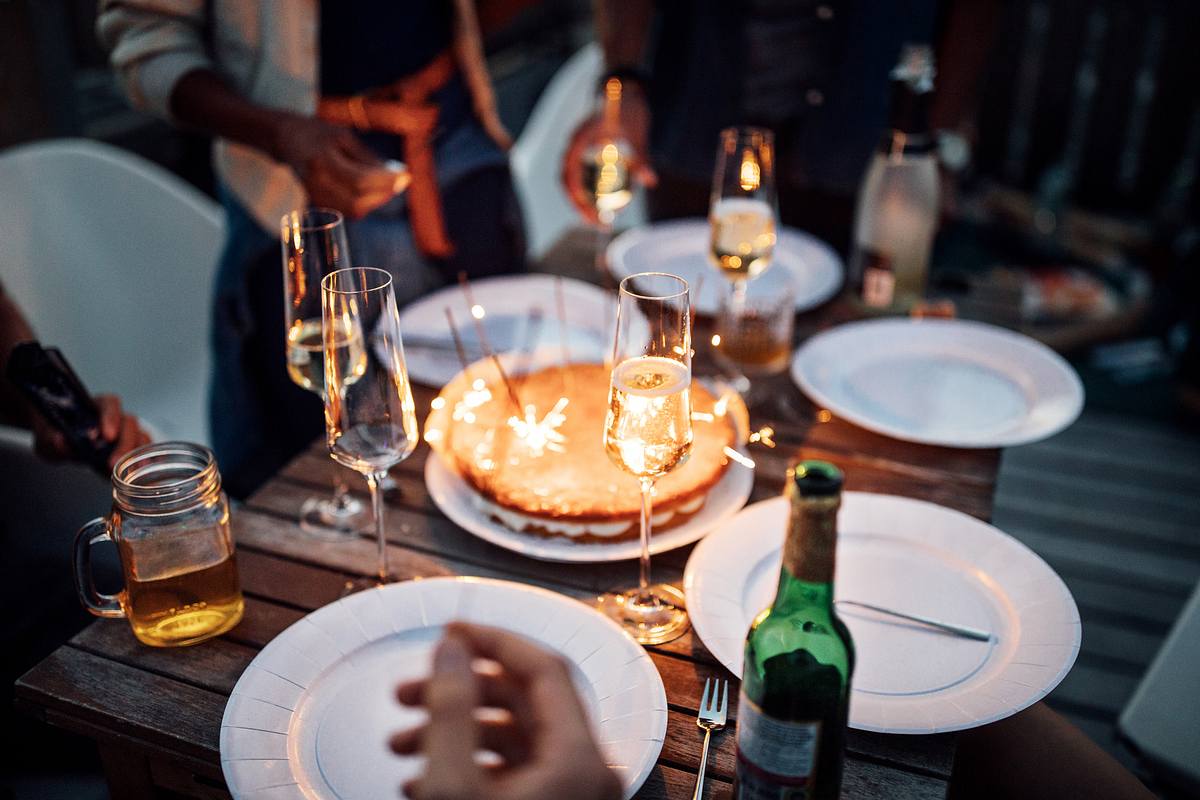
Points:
point(806, 578)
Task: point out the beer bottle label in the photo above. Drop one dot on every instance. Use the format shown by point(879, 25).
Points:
point(775, 757)
point(878, 279)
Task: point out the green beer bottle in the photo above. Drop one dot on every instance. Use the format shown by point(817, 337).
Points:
point(791, 726)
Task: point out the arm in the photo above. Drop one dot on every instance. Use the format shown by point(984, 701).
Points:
point(158, 49)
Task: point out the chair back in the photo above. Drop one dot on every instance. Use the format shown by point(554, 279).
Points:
point(113, 260)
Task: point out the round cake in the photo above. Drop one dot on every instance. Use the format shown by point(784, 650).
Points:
point(544, 471)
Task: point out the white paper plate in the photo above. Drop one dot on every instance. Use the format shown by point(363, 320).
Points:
point(681, 247)
point(456, 499)
point(943, 382)
point(916, 557)
point(508, 302)
point(312, 714)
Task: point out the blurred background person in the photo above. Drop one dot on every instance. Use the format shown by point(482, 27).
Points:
point(311, 110)
point(814, 72)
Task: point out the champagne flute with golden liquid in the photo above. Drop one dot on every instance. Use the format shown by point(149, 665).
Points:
point(743, 211)
point(314, 244)
point(607, 177)
point(370, 419)
point(648, 429)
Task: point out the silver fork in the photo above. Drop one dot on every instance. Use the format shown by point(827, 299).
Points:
point(711, 718)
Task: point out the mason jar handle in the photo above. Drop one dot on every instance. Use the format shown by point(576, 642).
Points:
point(100, 604)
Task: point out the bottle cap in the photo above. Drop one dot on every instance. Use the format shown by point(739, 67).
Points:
point(816, 479)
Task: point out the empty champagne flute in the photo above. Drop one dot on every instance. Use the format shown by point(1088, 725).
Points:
point(370, 419)
point(314, 244)
point(648, 429)
point(743, 212)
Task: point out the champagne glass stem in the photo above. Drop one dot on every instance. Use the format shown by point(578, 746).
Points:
point(603, 232)
point(373, 480)
point(644, 571)
point(341, 492)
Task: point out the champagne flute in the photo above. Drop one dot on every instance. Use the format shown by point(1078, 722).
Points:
point(743, 210)
point(314, 244)
point(370, 419)
point(648, 430)
point(606, 172)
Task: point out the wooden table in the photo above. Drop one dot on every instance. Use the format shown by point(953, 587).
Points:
point(156, 713)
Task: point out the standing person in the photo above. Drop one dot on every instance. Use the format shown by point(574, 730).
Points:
point(814, 71)
point(309, 101)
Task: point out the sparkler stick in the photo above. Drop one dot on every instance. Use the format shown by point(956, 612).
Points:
point(484, 343)
point(560, 298)
point(458, 345)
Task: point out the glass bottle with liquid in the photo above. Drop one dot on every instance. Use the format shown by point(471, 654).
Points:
point(799, 658)
point(898, 203)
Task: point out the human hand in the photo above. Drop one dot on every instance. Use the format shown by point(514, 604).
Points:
point(542, 736)
point(338, 171)
point(634, 127)
point(115, 426)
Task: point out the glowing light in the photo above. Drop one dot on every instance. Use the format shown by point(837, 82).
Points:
point(721, 407)
point(734, 455)
point(749, 176)
point(679, 350)
point(438, 403)
point(764, 436)
point(477, 311)
point(702, 416)
point(716, 340)
point(824, 416)
point(541, 435)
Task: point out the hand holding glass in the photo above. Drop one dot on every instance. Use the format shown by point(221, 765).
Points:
point(370, 419)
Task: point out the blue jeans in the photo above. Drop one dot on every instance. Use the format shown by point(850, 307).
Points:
point(260, 419)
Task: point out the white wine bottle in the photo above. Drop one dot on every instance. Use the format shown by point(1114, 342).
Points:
point(898, 202)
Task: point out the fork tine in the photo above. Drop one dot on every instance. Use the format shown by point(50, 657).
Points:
point(704, 708)
point(724, 700)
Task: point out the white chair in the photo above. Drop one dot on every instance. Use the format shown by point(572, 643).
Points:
point(1162, 719)
point(113, 260)
point(536, 157)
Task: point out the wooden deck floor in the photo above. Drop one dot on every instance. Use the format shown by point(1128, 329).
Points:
point(1113, 505)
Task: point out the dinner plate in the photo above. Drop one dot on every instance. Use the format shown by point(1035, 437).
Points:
point(510, 304)
point(945, 382)
point(457, 499)
point(681, 247)
point(914, 557)
point(311, 716)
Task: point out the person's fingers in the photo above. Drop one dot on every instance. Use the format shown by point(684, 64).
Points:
point(129, 438)
point(503, 737)
point(353, 147)
point(364, 174)
point(110, 416)
point(452, 734)
point(644, 174)
point(572, 172)
point(497, 691)
point(518, 656)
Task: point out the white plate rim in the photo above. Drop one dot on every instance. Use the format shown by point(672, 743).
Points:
point(444, 485)
point(1023, 433)
point(827, 266)
point(573, 290)
point(656, 712)
point(709, 631)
